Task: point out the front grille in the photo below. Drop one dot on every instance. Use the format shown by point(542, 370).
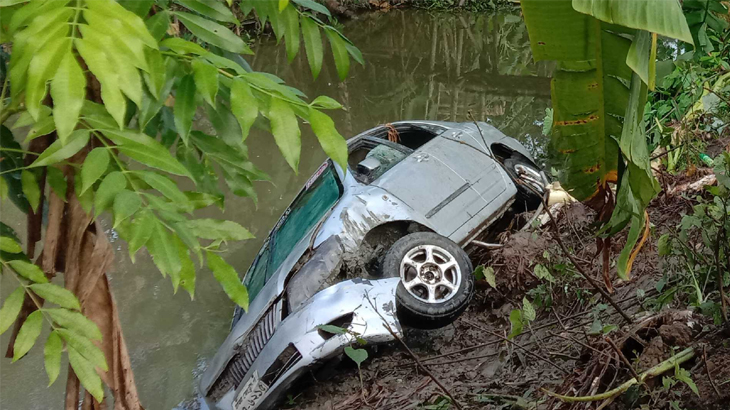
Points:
point(247, 352)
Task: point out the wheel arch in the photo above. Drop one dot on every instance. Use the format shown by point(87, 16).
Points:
point(379, 239)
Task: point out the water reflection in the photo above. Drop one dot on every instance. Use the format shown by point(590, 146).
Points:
point(432, 66)
point(419, 66)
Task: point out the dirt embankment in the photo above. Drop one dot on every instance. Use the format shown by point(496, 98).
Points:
point(566, 349)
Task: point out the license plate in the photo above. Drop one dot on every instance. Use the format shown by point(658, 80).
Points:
point(250, 394)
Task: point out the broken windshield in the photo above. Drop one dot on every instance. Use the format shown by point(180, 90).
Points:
point(320, 193)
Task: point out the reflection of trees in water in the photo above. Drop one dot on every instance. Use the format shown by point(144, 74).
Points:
point(434, 66)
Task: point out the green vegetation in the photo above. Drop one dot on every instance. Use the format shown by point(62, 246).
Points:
point(108, 92)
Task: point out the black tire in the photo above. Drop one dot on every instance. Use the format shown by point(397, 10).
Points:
point(421, 314)
point(526, 199)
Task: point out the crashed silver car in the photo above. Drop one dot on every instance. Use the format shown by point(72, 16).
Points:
point(369, 250)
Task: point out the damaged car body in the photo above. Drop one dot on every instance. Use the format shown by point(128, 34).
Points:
point(369, 250)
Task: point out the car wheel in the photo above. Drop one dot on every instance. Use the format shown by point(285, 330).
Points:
point(436, 280)
point(523, 172)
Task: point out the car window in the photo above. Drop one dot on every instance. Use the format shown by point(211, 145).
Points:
point(320, 193)
point(372, 158)
point(256, 278)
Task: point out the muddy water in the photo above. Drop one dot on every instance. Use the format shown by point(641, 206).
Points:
point(419, 66)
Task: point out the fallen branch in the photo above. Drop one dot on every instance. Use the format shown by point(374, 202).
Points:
point(707, 369)
point(657, 370)
point(579, 268)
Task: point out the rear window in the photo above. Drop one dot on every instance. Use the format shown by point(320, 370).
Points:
point(319, 195)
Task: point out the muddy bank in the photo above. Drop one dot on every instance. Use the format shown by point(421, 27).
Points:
point(567, 349)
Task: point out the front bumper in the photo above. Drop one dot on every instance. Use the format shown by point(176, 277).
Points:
point(297, 345)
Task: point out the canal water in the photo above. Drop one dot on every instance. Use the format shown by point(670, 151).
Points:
point(419, 65)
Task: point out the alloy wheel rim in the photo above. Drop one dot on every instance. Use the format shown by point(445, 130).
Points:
point(430, 273)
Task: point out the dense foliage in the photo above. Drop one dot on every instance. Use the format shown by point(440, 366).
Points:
point(109, 91)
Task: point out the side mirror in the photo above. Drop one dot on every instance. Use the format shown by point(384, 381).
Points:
point(369, 168)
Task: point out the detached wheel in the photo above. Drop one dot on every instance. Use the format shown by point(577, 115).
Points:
point(436, 280)
point(523, 172)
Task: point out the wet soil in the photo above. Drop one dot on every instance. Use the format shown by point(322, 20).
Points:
point(561, 351)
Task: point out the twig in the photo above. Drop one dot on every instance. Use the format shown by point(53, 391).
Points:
point(570, 339)
point(707, 369)
point(415, 358)
point(578, 267)
point(518, 346)
point(626, 361)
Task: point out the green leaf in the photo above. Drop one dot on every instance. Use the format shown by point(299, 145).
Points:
point(335, 330)
point(164, 185)
point(357, 355)
point(86, 373)
point(219, 229)
point(57, 151)
point(28, 334)
point(126, 204)
point(664, 245)
point(683, 375)
point(243, 105)
point(212, 9)
point(589, 91)
point(52, 356)
point(75, 322)
point(333, 144)
point(187, 272)
point(213, 33)
point(290, 17)
point(489, 277)
point(28, 271)
point(206, 80)
point(142, 228)
point(163, 250)
point(56, 294)
point(286, 132)
point(541, 272)
point(4, 189)
point(146, 150)
point(528, 310)
point(515, 319)
point(283, 4)
point(133, 25)
point(228, 278)
point(103, 69)
point(138, 7)
point(158, 24)
point(68, 90)
point(42, 68)
point(354, 52)
point(312, 45)
point(95, 165)
point(85, 348)
point(9, 245)
point(339, 52)
point(31, 190)
point(57, 181)
point(664, 17)
point(181, 46)
point(11, 308)
point(110, 186)
point(326, 102)
point(314, 6)
point(642, 57)
point(185, 106)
